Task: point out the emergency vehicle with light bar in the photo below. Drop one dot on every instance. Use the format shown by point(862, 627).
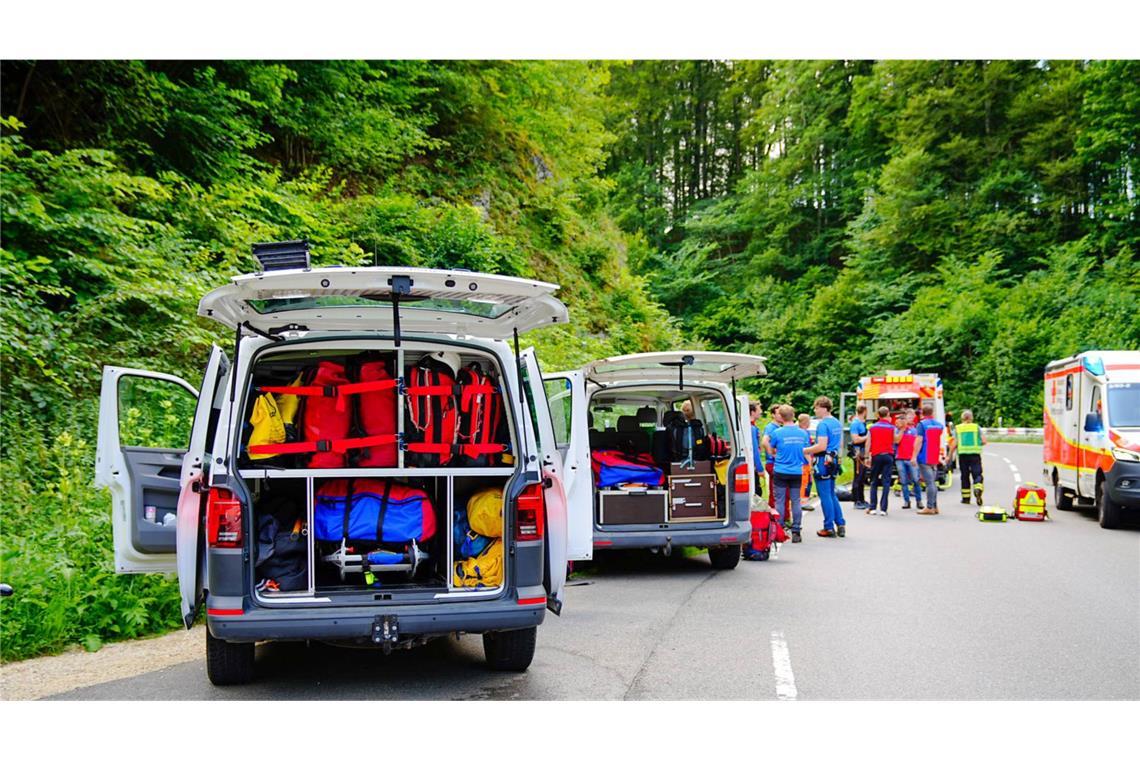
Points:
point(1092, 432)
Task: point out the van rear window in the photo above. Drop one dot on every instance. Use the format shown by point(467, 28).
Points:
point(489, 309)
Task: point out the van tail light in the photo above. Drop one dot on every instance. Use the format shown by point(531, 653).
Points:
point(223, 520)
point(528, 513)
point(740, 480)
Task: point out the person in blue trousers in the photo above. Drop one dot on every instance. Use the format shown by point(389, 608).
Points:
point(828, 436)
point(788, 442)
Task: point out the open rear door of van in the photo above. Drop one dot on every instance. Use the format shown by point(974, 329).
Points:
point(554, 577)
point(365, 298)
point(676, 367)
point(190, 538)
point(144, 431)
point(566, 396)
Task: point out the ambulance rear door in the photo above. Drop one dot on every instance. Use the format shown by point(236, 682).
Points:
point(566, 395)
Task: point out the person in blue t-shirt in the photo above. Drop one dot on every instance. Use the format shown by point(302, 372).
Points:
point(788, 443)
point(828, 435)
point(769, 458)
point(858, 449)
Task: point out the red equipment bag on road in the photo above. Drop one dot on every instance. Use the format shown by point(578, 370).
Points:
point(1029, 503)
point(766, 530)
point(433, 414)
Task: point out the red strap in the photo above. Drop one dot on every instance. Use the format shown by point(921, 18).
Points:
point(429, 448)
point(300, 390)
point(368, 387)
point(344, 444)
point(477, 449)
point(304, 447)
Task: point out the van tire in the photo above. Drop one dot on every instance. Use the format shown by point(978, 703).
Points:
point(1108, 511)
point(724, 557)
point(510, 650)
point(1062, 498)
point(227, 663)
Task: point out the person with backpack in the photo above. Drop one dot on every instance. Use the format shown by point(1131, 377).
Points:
point(788, 443)
point(970, 443)
point(929, 455)
point(858, 451)
point(908, 470)
point(828, 435)
point(881, 459)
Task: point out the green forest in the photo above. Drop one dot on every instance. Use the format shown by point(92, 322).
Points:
point(975, 219)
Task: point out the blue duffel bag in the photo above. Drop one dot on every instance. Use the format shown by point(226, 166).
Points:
point(372, 509)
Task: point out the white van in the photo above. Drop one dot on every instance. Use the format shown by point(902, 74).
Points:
point(628, 406)
point(203, 506)
point(1092, 432)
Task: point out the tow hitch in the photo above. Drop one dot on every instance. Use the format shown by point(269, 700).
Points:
point(385, 631)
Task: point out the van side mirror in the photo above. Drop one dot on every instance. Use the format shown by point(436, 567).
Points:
point(1093, 423)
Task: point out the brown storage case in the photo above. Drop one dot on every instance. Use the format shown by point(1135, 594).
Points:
point(632, 507)
point(692, 497)
point(702, 467)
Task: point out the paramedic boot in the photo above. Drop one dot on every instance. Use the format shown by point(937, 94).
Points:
point(796, 537)
point(977, 494)
point(965, 495)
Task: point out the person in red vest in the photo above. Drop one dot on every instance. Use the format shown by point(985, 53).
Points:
point(908, 470)
point(881, 459)
point(929, 455)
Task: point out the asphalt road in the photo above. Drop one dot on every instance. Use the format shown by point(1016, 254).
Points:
point(905, 607)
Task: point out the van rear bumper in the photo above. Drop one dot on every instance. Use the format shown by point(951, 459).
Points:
point(1123, 483)
point(293, 624)
point(721, 535)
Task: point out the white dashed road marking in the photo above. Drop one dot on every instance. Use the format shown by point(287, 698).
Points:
point(782, 664)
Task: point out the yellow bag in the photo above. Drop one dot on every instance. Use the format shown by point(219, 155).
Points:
point(267, 424)
point(486, 570)
point(287, 404)
point(485, 512)
point(721, 468)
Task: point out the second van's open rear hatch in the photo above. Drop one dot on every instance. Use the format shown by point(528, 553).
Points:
point(672, 366)
point(435, 301)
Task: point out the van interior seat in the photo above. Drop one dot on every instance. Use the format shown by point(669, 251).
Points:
point(647, 415)
point(633, 438)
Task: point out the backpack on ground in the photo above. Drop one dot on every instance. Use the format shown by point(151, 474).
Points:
point(767, 532)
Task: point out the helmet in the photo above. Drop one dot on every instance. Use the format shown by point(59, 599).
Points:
point(450, 358)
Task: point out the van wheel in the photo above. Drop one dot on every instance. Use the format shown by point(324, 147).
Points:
point(510, 650)
point(724, 557)
point(1108, 511)
point(1062, 498)
point(228, 664)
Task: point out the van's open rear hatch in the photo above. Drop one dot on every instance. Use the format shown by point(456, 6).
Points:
point(693, 366)
point(336, 298)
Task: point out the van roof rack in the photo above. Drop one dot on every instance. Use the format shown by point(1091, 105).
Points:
point(287, 254)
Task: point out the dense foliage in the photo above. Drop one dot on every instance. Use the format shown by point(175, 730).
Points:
point(976, 219)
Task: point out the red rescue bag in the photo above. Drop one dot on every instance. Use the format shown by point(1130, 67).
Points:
point(326, 418)
point(376, 407)
point(433, 415)
point(480, 417)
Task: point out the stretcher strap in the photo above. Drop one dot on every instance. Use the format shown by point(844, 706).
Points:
point(470, 449)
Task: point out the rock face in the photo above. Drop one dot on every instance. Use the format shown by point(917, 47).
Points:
point(483, 202)
point(541, 170)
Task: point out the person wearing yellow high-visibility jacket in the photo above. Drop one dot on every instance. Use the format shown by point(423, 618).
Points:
point(970, 443)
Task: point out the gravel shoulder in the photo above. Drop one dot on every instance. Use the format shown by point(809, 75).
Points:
point(45, 676)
